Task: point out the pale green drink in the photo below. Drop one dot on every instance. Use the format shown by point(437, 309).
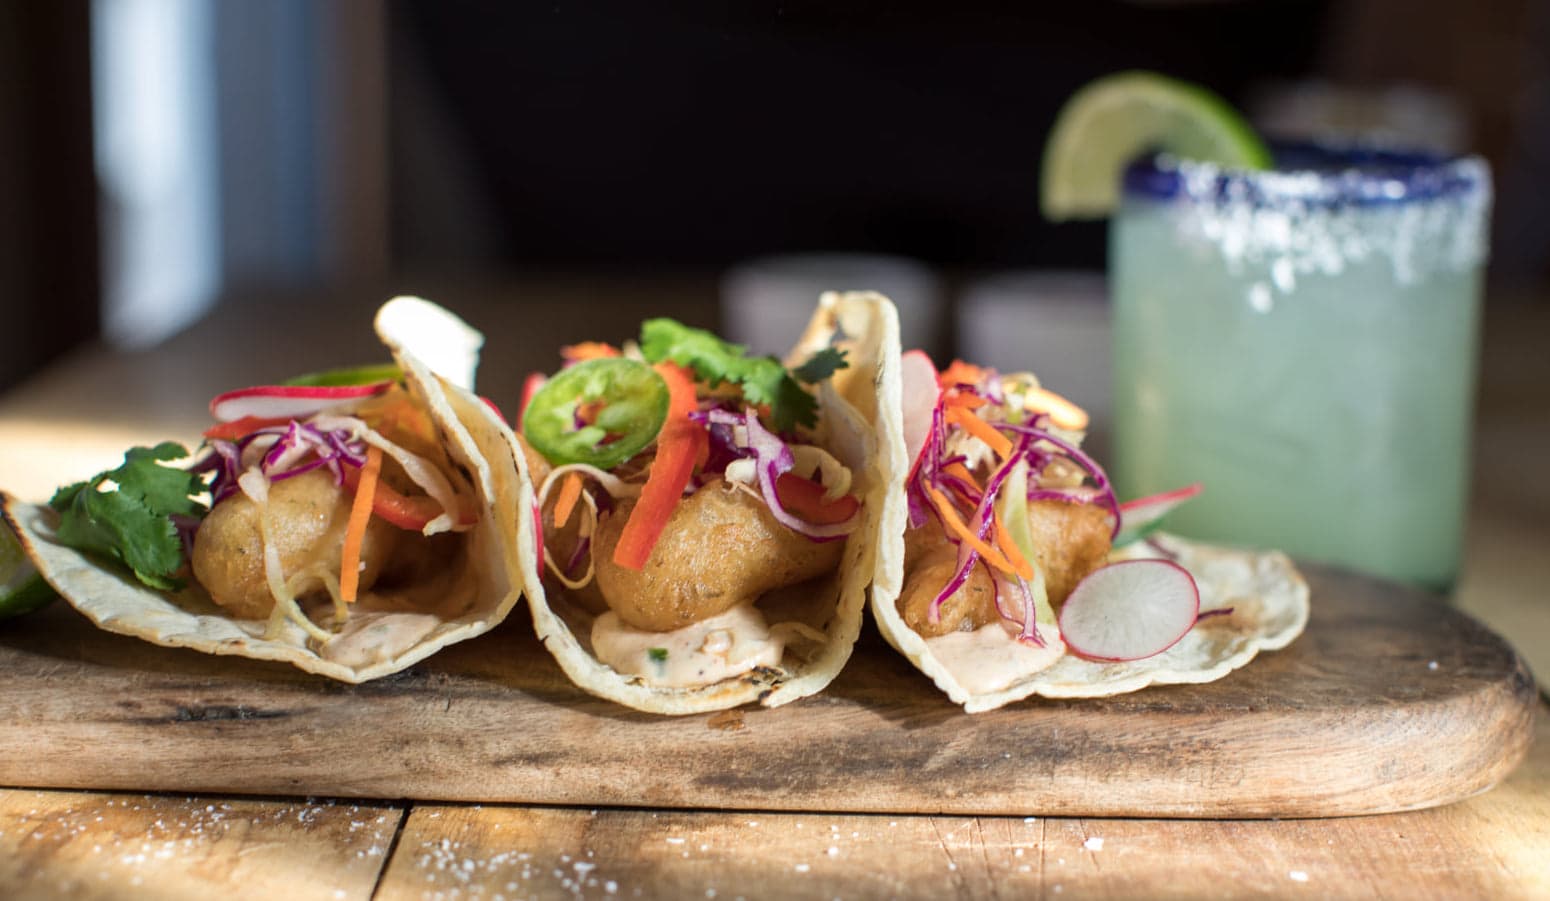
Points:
point(1304, 344)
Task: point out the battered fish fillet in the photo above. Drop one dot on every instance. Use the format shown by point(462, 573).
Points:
point(1069, 541)
point(308, 516)
point(721, 548)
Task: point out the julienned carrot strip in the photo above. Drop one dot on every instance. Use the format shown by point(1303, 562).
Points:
point(962, 472)
point(1061, 411)
point(355, 530)
point(570, 492)
point(982, 430)
point(587, 350)
point(1014, 555)
point(960, 373)
point(680, 443)
point(951, 520)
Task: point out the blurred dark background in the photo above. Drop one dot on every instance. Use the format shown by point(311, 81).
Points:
point(156, 155)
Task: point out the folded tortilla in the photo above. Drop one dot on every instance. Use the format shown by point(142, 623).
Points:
point(386, 631)
point(1267, 597)
point(866, 326)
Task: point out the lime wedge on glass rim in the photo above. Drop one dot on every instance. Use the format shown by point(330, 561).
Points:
point(22, 590)
point(1113, 120)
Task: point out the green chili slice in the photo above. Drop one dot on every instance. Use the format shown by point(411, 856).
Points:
point(601, 412)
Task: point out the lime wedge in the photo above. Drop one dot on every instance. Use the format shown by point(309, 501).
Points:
point(1117, 118)
point(368, 374)
point(22, 590)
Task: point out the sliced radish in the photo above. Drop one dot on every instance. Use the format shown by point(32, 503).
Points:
point(530, 386)
point(287, 401)
point(1142, 515)
point(919, 390)
point(1130, 610)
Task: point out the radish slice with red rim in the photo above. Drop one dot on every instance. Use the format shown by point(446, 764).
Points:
point(287, 401)
point(919, 390)
point(1130, 610)
point(1140, 516)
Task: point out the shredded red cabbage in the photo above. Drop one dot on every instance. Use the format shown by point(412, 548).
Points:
point(772, 458)
point(298, 448)
point(1035, 443)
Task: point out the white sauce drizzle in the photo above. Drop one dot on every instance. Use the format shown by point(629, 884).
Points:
point(703, 653)
point(991, 659)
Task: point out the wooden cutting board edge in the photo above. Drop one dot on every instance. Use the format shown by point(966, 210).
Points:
point(184, 724)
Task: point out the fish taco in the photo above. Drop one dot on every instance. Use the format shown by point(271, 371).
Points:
point(1015, 571)
point(343, 522)
point(709, 519)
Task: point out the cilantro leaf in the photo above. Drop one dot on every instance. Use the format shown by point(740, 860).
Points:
point(130, 522)
point(821, 365)
point(763, 380)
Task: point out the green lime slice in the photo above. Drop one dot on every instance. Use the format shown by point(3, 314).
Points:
point(350, 375)
point(1117, 118)
point(22, 590)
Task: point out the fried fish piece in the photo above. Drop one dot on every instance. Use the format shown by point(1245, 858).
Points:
point(720, 548)
point(1070, 540)
point(929, 562)
point(308, 515)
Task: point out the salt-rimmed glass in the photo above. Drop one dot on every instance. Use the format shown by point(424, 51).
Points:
point(1303, 341)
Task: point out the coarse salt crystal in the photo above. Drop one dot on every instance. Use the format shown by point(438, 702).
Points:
point(1298, 876)
point(1093, 844)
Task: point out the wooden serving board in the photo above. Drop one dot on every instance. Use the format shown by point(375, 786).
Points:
point(1390, 701)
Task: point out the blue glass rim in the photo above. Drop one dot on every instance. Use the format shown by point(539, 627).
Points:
point(1323, 174)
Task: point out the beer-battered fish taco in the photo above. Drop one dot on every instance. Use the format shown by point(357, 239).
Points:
point(344, 523)
point(1021, 574)
point(710, 520)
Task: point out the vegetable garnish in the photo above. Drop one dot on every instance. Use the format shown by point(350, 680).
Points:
point(587, 350)
point(1139, 517)
point(355, 530)
point(369, 374)
point(1019, 436)
point(805, 499)
point(634, 403)
point(570, 492)
point(237, 428)
point(126, 513)
point(679, 444)
point(763, 380)
point(288, 401)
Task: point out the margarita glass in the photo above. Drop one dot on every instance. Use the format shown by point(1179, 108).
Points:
point(1303, 341)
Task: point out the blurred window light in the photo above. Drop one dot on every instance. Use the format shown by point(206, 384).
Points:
point(153, 81)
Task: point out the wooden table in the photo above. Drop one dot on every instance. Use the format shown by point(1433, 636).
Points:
point(77, 417)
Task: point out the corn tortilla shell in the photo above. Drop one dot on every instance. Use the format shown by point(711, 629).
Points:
point(467, 602)
point(867, 326)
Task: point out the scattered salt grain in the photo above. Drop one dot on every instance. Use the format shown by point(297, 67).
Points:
point(801, 868)
point(675, 841)
point(1431, 664)
point(1093, 844)
point(1298, 876)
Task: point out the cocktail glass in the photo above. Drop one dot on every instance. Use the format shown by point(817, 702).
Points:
point(1303, 341)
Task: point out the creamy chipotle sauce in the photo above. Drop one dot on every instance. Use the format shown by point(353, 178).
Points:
point(721, 647)
point(991, 659)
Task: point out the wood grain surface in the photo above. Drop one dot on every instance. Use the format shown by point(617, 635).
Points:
point(1388, 702)
point(71, 845)
point(1493, 846)
point(135, 846)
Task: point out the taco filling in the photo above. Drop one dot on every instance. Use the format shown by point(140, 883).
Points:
point(304, 501)
point(686, 502)
point(1007, 515)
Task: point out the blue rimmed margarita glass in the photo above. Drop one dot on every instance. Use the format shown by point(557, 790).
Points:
point(1303, 341)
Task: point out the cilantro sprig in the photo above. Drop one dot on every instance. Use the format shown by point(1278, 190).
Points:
point(763, 380)
point(131, 520)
